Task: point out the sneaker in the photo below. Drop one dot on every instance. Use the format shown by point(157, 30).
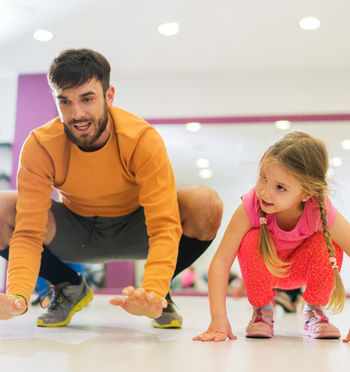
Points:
point(261, 325)
point(170, 317)
point(286, 302)
point(316, 325)
point(66, 300)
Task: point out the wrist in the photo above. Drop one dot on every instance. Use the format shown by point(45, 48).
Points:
point(23, 298)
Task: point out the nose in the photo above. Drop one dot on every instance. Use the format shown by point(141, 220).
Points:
point(77, 112)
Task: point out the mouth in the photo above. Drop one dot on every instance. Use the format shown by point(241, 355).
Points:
point(266, 204)
point(82, 127)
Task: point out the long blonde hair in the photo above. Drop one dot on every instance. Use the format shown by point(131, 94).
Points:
point(306, 158)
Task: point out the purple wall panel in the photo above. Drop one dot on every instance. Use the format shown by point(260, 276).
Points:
point(35, 107)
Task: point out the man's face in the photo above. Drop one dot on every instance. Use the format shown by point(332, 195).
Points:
point(83, 111)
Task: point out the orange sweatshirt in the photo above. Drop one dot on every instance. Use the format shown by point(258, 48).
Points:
point(131, 170)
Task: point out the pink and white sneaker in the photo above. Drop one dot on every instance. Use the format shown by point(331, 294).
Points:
point(261, 325)
point(316, 325)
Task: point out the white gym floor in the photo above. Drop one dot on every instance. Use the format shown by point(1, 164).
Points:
point(102, 338)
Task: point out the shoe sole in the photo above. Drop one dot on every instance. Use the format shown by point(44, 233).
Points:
point(325, 335)
point(173, 324)
point(82, 303)
point(259, 335)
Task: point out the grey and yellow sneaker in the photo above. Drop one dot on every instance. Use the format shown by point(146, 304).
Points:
point(66, 300)
point(170, 318)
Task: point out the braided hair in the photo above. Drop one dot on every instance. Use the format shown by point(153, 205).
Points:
point(306, 158)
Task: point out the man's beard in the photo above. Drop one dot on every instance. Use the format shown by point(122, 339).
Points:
point(84, 142)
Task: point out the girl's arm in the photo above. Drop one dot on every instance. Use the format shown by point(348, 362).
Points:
point(340, 233)
point(220, 266)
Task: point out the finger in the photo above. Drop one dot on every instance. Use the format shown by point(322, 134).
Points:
point(163, 302)
point(220, 337)
point(19, 306)
point(128, 290)
point(231, 336)
point(140, 294)
point(151, 297)
point(117, 301)
point(207, 337)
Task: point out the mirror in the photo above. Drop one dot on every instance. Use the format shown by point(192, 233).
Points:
point(233, 151)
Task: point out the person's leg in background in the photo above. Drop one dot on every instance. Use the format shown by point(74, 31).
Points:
point(288, 299)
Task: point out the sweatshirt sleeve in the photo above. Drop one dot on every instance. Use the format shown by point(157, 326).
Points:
point(154, 175)
point(34, 182)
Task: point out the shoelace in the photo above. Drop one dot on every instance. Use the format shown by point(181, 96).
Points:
point(260, 317)
point(318, 317)
point(55, 294)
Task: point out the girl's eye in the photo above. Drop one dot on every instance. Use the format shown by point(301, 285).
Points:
point(280, 188)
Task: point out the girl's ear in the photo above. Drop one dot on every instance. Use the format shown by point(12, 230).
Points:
point(306, 197)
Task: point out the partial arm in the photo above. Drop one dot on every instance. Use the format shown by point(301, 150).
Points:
point(153, 173)
point(340, 233)
point(34, 189)
point(220, 266)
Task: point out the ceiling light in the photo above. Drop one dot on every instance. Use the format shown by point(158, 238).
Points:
point(43, 35)
point(193, 127)
point(309, 23)
point(205, 173)
point(336, 161)
point(346, 144)
point(168, 29)
point(202, 163)
point(283, 124)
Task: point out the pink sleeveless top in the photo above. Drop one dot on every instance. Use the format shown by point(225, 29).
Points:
point(286, 241)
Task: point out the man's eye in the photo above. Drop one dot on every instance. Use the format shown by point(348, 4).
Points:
point(64, 102)
point(87, 99)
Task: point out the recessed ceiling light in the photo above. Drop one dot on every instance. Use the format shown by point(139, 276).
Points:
point(43, 35)
point(282, 124)
point(193, 126)
point(205, 173)
point(309, 23)
point(336, 161)
point(202, 163)
point(169, 29)
point(346, 144)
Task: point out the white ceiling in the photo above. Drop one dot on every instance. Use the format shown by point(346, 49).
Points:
point(215, 35)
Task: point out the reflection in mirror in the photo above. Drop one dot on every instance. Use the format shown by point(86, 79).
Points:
point(230, 155)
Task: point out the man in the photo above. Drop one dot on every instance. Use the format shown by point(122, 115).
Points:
point(119, 201)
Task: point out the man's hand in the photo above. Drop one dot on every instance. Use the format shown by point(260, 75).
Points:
point(11, 306)
point(217, 331)
point(138, 302)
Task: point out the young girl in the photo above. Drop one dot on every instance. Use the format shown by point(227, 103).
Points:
point(286, 234)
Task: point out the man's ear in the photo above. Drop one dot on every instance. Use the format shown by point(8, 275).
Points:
point(110, 95)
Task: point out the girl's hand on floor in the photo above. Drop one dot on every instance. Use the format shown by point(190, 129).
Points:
point(216, 332)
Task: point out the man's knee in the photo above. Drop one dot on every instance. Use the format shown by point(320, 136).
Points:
point(200, 210)
point(8, 200)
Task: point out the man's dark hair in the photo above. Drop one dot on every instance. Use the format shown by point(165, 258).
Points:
point(74, 67)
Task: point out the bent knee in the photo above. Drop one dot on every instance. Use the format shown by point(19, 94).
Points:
point(200, 210)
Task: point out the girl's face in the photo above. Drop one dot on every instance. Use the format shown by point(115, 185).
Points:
point(278, 190)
